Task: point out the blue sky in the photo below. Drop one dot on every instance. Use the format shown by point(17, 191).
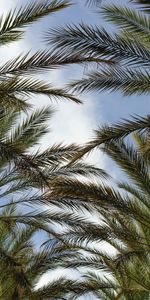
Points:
point(71, 122)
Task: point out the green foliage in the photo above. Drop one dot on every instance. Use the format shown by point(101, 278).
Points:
point(12, 24)
point(122, 225)
point(50, 176)
point(15, 90)
point(125, 52)
point(22, 264)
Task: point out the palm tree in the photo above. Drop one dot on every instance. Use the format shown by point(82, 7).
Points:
point(22, 263)
point(122, 221)
point(17, 85)
point(123, 215)
point(27, 172)
point(49, 169)
point(128, 49)
point(15, 88)
point(27, 177)
point(16, 81)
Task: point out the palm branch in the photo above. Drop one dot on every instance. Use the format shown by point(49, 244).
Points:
point(12, 25)
point(15, 90)
point(129, 51)
point(22, 265)
point(122, 222)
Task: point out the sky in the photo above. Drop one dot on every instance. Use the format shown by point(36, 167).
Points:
point(72, 122)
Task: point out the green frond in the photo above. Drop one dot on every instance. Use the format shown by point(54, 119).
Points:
point(135, 192)
point(31, 129)
point(144, 5)
point(46, 60)
point(25, 164)
point(122, 129)
point(98, 42)
point(56, 289)
point(8, 118)
point(12, 25)
point(57, 153)
point(128, 19)
point(8, 101)
point(126, 80)
point(90, 262)
point(106, 134)
point(27, 87)
point(99, 195)
point(75, 169)
point(131, 162)
point(142, 142)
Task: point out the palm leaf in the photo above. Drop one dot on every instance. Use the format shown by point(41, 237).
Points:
point(26, 87)
point(98, 42)
point(128, 19)
point(32, 128)
point(120, 130)
point(144, 5)
point(12, 24)
point(126, 80)
point(46, 60)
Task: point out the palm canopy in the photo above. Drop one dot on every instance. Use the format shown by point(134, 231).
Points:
point(22, 263)
point(22, 174)
point(121, 222)
point(15, 89)
point(31, 172)
point(128, 50)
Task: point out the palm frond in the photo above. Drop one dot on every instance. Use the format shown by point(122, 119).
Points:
point(11, 25)
point(32, 128)
point(135, 192)
point(144, 5)
point(120, 130)
point(46, 60)
point(126, 80)
point(128, 19)
point(98, 42)
point(82, 169)
point(26, 87)
point(8, 118)
point(131, 162)
point(57, 153)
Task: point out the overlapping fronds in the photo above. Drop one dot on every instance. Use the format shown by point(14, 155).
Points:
point(128, 50)
point(128, 19)
point(22, 265)
point(120, 214)
point(41, 167)
point(95, 41)
point(122, 221)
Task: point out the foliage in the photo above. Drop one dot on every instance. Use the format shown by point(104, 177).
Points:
point(115, 243)
point(128, 50)
point(121, 210)
point(22, 263)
